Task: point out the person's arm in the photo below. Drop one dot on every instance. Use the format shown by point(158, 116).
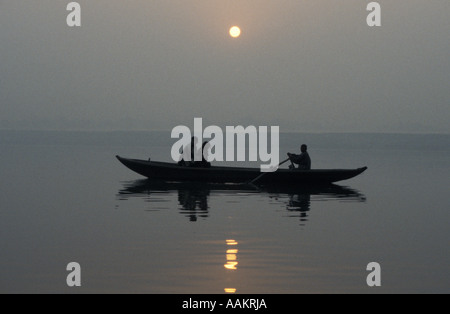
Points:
point(296, 159)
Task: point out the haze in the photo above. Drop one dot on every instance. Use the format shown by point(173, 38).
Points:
point(307, 66)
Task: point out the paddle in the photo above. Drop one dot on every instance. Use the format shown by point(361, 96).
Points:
point(262, 174)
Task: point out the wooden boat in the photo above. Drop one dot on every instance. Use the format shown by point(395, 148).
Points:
point(175, 173)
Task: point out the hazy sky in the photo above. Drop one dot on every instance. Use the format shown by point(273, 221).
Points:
point(303, 65)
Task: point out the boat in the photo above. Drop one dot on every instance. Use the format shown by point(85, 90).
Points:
point(172, 172)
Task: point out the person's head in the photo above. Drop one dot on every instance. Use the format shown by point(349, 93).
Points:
point(304, 148)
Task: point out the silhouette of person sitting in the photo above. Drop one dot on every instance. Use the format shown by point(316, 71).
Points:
point(303, 160)
point(189, 150)
point(204, 163)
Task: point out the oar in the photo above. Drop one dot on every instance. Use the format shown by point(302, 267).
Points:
point(262, 174)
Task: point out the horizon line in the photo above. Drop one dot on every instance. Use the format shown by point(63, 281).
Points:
point(168, 130)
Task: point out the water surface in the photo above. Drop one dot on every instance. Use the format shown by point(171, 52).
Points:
point(65, 198)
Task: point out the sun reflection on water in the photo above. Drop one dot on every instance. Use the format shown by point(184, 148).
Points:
point(230, 290)
point(231, 256)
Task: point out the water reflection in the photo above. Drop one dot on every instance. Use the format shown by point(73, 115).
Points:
point(193, 198)
point(230, 290)
point(194, 203)
point(299, 203)
point(231, 257)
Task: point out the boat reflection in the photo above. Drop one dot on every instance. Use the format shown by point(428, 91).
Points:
point(194, 203)
point(193, 198)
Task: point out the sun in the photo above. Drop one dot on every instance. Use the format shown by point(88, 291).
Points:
point(235, 32)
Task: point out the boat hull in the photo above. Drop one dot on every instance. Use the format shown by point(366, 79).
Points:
point(175, 173)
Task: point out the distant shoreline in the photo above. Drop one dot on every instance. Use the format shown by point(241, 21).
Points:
point(168, 131)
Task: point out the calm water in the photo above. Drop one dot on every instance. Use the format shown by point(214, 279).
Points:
point(64, 198)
